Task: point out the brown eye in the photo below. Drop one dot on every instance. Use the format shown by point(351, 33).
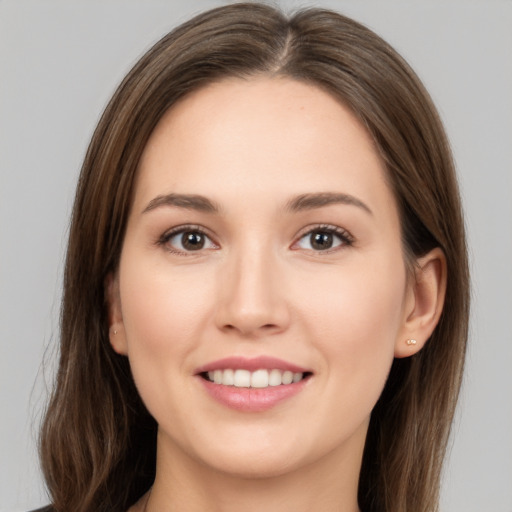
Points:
point(186, 240)
point(324, 238)
point(192, 240)
point(321, 240)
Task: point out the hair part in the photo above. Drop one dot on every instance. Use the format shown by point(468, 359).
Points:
point(98, 441)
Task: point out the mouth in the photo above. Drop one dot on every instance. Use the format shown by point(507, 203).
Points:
point(254, 384)
point(261, 378)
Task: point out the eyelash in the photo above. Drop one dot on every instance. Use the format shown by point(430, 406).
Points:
point(343, 235)
point(168, 235)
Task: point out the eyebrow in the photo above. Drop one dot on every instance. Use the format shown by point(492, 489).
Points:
point(187, 201)
point(297, 204)
point(311, 201)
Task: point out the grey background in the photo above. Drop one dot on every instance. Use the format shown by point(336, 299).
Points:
point(60, 62)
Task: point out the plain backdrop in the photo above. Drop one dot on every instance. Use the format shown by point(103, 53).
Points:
point(59, 64)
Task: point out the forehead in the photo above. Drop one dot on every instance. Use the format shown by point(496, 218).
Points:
point(261, 136)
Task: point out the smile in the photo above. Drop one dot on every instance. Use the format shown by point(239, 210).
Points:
point(256, 379)
point(252, 385)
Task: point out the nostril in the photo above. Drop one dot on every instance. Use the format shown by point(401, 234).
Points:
point(247, 328)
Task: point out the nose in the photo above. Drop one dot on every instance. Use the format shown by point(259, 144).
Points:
point(252, 299)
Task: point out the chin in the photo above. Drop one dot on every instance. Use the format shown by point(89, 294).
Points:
point(264, 466)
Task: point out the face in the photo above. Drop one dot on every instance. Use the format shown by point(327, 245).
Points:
point(263, 246)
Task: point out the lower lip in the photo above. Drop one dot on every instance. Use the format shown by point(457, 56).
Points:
point(252, 399)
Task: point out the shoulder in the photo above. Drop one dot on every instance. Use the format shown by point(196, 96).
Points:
point(43, 509)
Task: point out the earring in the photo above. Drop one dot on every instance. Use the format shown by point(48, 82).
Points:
point(411, 342)
point(115, 332)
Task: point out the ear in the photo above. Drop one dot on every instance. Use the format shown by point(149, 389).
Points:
point(116, 330)
point(423, 304)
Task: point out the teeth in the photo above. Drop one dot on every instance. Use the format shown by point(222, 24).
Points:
point(287, 377)
point(256, 379)
point(242, 379)
point(275, 378)
point(259, 379)
point(228, 377)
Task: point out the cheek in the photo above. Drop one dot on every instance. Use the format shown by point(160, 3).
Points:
point(355, 315)
point(163, 314)
point(357, 300)
point(160, 306)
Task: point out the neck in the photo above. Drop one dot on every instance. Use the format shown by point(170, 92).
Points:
point(186, 485)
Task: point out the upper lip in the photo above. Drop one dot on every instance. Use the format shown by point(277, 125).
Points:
point(251, 364)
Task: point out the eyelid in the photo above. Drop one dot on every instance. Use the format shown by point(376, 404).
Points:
point(346, 237)
point(170, 233)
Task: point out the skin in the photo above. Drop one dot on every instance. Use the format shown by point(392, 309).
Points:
point(258, 287)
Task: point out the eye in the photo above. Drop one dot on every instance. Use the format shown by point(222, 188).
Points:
point(186, 239)
point(324, 239)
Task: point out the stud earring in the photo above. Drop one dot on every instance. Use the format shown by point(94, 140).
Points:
point(411, 342)
point(115, 332)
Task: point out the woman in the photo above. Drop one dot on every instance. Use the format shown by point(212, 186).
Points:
point(266, 290)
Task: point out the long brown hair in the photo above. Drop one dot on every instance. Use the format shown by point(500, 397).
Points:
point(98, 441)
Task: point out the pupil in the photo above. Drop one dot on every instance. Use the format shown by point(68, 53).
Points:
point(192, 241)
point(321, 240)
